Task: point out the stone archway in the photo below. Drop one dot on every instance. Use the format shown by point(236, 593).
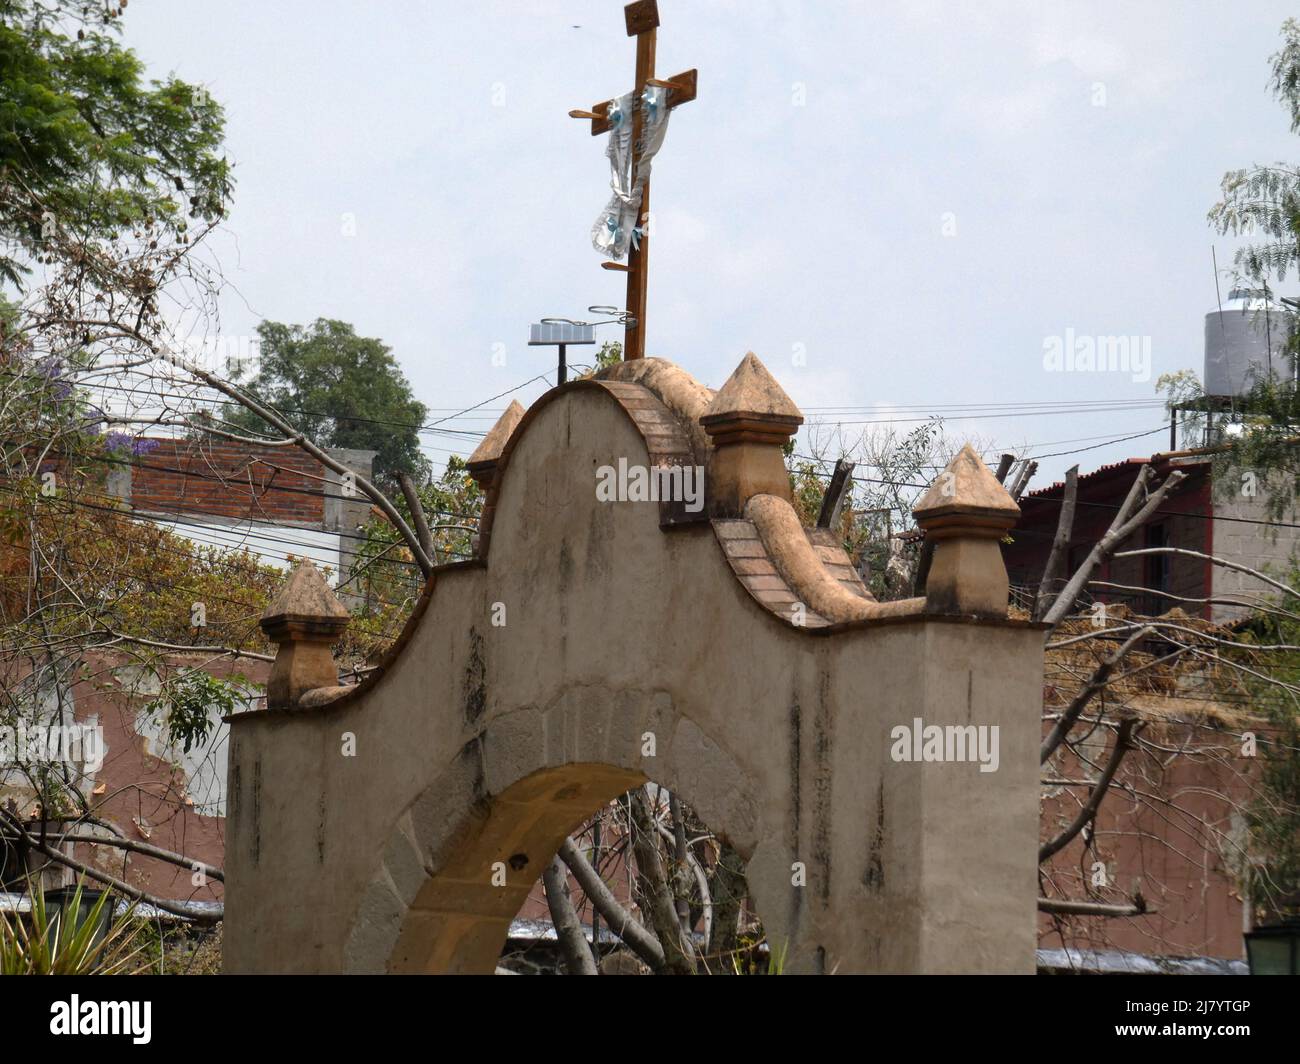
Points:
point(429, 908)
point(722, 650)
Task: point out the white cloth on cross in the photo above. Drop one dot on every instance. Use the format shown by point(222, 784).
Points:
point(618, 224)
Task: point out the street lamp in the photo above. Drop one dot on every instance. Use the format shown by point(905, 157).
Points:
point(1274, 949)
point(60, 903)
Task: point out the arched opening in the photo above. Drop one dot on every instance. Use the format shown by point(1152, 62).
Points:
point(643, 886)
point(486, 883)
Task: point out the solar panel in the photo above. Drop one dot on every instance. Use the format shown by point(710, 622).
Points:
point(557, 332)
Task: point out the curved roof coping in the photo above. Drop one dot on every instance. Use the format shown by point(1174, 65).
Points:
point(686, 398)
point(786, 542)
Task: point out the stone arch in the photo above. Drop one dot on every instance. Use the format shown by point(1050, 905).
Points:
point(473, 743)
point(432, 906)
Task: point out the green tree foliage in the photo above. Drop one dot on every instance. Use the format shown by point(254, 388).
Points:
point(384, 573)
point(1266, 199)
point(1273, 815)
point(342, 390)
point(892, 467)
point(69, 943)
point(89, 146)
point(1263, 202)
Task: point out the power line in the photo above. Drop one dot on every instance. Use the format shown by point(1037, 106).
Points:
point(1028, 408)
point(983, 417)
point(1045, 500)
point(222, 547)
point(1107, 443)
point(166, 515)
point(416, 426)
point(262, 489)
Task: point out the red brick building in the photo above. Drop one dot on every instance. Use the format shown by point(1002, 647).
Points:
point(1228, 519)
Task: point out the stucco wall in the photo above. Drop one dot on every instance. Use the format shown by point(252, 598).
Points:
point(482, 744)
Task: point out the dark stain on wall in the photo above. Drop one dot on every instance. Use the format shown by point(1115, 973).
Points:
point(472, 753)
point(874, 877)
point(823, 743)
point(320, 829)
point(255, 847)
point(796, 726)
point(566, 565)
point(236, 797)
point(475, 679)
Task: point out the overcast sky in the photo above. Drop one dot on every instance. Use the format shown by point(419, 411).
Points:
point(912, 197)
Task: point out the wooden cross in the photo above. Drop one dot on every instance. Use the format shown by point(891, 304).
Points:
point(642, 20)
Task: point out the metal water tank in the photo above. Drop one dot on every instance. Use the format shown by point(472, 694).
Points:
point(1239, 340)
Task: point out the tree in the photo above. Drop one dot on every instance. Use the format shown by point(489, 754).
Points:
point(86, 145)
point(1263, 201)
point(1271, 877)
point(342, 390)
point(892, 470)
point(445, 514)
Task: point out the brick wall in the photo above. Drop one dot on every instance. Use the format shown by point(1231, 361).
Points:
point(1184, 517)
point(224, 479)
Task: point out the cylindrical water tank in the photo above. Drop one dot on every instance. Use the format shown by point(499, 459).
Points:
point(1239, 340)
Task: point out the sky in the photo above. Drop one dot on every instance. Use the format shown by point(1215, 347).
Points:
point(899, 207)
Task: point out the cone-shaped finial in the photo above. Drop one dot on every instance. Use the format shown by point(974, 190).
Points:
point(483, 461)
point(967, 493)
point(752, 392)
point(749, 421)
point(305, 619)
point(306, 597)
point(964, 514)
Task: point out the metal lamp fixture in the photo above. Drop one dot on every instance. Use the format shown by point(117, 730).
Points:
point(59, 905)
point(1274, 949)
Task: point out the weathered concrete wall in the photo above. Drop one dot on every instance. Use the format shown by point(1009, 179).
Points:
point(483, 743)
point(1250, 542)
point(149, 788)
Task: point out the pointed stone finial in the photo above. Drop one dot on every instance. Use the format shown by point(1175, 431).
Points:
point(964, 514)
point(751, 391)
point(482, 463)
point(748, 421)
point(305, 619)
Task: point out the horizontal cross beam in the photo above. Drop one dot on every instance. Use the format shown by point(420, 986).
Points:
point(681, 89)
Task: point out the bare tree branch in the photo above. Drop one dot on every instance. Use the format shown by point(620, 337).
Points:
point(1120, 529)
point(1096, 682)
point(1123, 743)
point(1217, 561)
point(120, 885)
point(620, 921)
point(1060, 542)
point(1092, 908)
point(573, 943)
point(417, 513)
point(143, 848)
point(678, 953)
